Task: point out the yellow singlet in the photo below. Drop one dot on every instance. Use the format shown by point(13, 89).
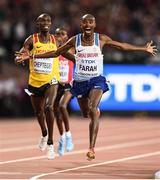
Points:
point(43, 70)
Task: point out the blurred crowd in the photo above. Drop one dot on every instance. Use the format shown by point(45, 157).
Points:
point(132, 21)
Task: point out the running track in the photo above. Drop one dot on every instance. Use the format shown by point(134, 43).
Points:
point(127, 148)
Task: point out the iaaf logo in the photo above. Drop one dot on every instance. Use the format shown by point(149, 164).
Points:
point(143, 87)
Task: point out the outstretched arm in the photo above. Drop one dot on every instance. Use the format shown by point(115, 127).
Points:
point(149, 47)
point(61, 50)
point(27, 46)
point(69, 56)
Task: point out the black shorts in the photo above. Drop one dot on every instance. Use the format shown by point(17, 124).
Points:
point(61, 89)
point(40, 91)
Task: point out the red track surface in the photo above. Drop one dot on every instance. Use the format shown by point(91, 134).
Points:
point(125, 149)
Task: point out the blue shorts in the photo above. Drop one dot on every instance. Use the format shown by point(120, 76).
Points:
point(82, 89)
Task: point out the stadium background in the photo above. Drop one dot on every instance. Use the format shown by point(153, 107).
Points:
point(129, 21)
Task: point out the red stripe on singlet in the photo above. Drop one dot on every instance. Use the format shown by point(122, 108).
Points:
point(35, 38)
point(70, 75)
point(53, 39)
point(70, 65)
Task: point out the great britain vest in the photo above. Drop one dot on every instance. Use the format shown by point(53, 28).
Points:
point(89, 59)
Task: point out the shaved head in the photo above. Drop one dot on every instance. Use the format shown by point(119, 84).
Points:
point(87, 16)
point(42, 16)
point(88, 24)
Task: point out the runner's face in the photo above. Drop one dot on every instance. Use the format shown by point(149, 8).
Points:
point(63, 35)
point(87, 25)
point(44, 23)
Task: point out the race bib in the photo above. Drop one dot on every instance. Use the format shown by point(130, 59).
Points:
point(53, 81)
point(43, 65)
point(89, 67)
point(64, 70)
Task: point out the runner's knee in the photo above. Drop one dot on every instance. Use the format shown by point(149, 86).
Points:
point(93, 110)
point(48, 108)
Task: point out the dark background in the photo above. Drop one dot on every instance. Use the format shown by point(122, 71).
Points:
point(132, 21)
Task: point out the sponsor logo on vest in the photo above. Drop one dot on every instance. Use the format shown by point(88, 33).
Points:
point(87, 55)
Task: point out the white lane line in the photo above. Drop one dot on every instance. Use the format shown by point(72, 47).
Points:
point(23, 159)
point(9, 141)
point(116, 146)
point(78, 141)
point(10, 173)
point(98, 164)
point(17, 148)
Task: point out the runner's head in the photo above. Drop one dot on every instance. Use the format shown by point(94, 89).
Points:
point(44, 22)
point(88, 24)
point(61, 34)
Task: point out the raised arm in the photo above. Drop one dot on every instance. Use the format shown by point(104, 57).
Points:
point(149, 47)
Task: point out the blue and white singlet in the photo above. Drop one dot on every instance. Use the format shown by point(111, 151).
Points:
point(89, 60)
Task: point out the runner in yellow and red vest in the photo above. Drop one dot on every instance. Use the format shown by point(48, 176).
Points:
point(43, 70)
point(43, 80)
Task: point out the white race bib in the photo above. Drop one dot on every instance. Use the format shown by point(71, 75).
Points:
point(43, 65)
point(53, 81)
point(64, 70)
point(89, 67)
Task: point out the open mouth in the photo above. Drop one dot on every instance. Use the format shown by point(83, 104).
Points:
point(88, 30)
point(46, 27)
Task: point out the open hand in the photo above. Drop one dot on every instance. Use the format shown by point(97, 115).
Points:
point(151, 48)
point(21, 56)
